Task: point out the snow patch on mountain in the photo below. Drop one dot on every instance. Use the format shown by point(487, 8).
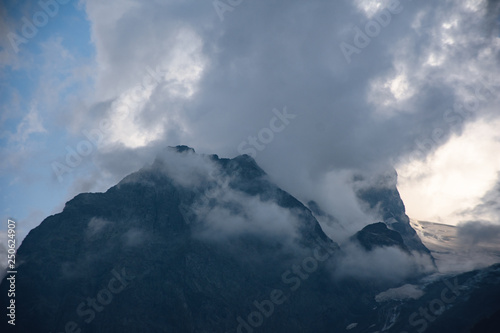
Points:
point(407, 291)
point(452, 255)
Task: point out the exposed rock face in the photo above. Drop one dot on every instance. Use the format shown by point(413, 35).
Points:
point(378, 235)
point(382, 195)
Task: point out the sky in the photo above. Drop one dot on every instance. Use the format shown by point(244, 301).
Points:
point(315, 91)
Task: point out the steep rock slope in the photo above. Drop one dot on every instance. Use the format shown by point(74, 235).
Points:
point(381, 195)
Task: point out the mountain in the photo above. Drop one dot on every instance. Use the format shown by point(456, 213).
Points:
point(198, 243)
point(452, 253)
point(488, 325)
point(381, 196)
point(467, 302)
point(378, 235)
point(192, 243)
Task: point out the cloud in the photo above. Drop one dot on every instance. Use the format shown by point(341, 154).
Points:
point(232, 214)
point(134, 237)
point(227, 58)
point(30, 124)
point(478, 232)
point(187, 169)
point(453, 179)
point(335, 194)
point(384, 264)
point(95, 226)
point(488, 207)
point(348, 117)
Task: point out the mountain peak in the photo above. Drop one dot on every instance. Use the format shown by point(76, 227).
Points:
point(182, 149)
point(378, 235)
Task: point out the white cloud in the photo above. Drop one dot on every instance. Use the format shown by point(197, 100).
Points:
point(334, 194)
point(175, 75)
point(386, 264)
point(455, 177)
point(96, 225)
point(371, 7)
point(30, 124)
point(237, 214)
point(134, 237)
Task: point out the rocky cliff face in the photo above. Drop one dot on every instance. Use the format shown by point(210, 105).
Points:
point(381, 195)
point(378, 235)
